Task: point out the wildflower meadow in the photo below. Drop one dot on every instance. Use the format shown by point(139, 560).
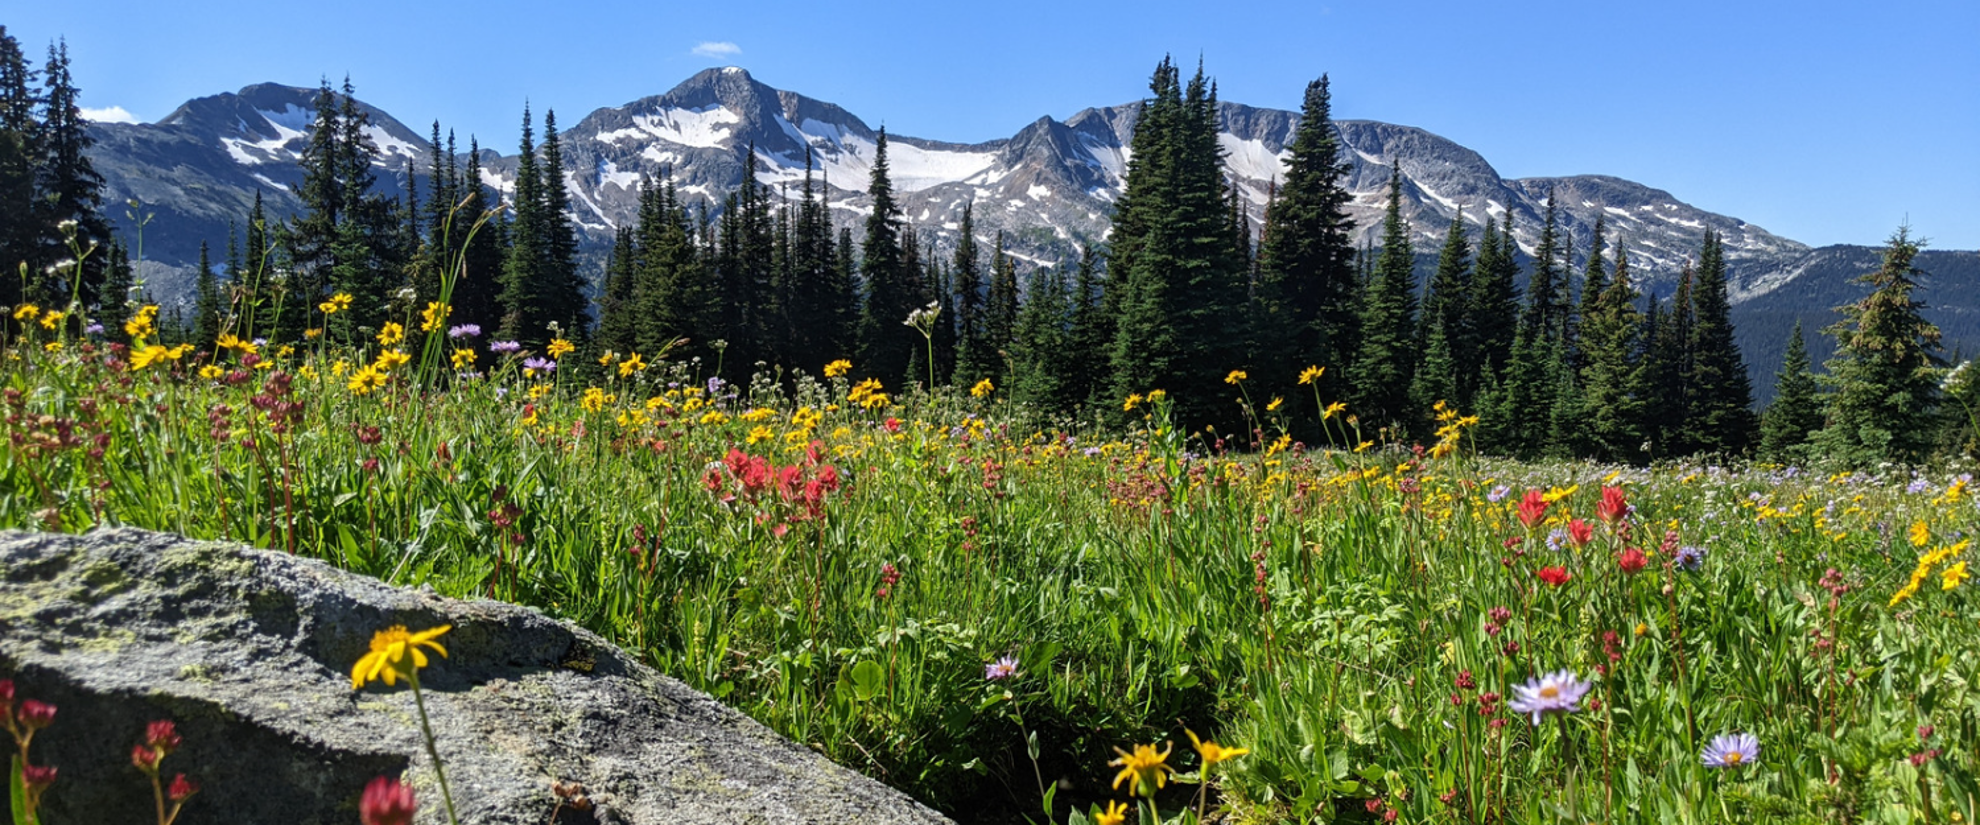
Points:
point(1014, 618)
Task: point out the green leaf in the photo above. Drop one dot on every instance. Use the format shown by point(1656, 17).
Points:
point(867, 680)
point(17, 791)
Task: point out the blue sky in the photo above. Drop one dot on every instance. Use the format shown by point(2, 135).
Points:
point(1826, 122)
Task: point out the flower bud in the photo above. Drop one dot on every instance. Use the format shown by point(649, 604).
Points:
point(36, 715)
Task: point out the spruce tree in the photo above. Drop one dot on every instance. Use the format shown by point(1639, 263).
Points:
point(1448, 338)
point(1386, 360)
point(1493, 307)
point(1546, 311)
point(1306, 270)
point(477, 273)
point(1041, 358)
point(20, 135)
point(1883, 374)
point(618, 319)
point(524, 314)
point(1091, 331)
point(562, 292)
point(68, 192)
point(1719, 395)
point(1796, 413)
point(1000, 311)
point(976, 358)
point(1613, 379)
point(206, 303)
point(113, 306)
point(886, 343)
point(672, 288)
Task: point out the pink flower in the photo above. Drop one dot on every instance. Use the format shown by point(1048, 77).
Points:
point(1632, 560)
point(1613, 507)
point(1532, 508)
point(1555, 576)
point(387, 802)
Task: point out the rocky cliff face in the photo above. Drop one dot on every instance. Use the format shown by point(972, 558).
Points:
point(250, 653)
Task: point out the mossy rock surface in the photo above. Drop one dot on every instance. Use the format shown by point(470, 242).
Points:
point(250, 653)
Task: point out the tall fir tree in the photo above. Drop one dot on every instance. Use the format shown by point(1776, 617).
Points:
point(1796, 412)
point(68, 194)
point(618, 318)
point(206, 302)
point(119, 281)
point(20, 149)
point(1090, 333)
point(1000, 310)
point(672, 288)
point(886, 343)
point(975, 357)
point(1719, 399)
point(1306, 269)
point(1884, 373)
point(525, 316)
point(1041, 357)
point(1448, 340)
point(563, 285)
point(1613, 379)
point(1492, 309)
point(1386, 360)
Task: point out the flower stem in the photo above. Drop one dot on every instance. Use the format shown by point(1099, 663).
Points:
point(419, 701)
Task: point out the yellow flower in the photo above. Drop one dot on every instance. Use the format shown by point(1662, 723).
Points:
point(1149, 769)
point(392, 333)
point(559, 348)
point(1642, 628)
point(228, 341)
point(284, 351)
point(211, 372)
point(1133, 400)
point(312, 333)
point(1212, 752)
point(1920, 534)
point(142, 325)
point(596, 399)
point(391, 359)
point(390, 648)
point(1115, 814)
point(1157, 396)
point(142, 357)
point(26, 312)
point(838, 368)
point(1332, 410)
point(365, 380)
point(607, 359)
point(1275, 405)
point(51, 318)
point(179, 351)
point(52, 346)
point(632, 364)
point(1235, 376)
point(463, 359)
point(982, 388)
point(1955, 574)
point(434, 316)
point(339, 302)
point(1311, 374)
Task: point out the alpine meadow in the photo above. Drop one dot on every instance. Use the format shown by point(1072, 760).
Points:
point(1241, 467)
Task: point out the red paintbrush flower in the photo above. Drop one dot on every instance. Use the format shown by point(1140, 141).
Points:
point(1532, 508)
point(1632, 561)
point(1613, 506)
point(1581, 532)
point(1555, 576)
point(386, 802)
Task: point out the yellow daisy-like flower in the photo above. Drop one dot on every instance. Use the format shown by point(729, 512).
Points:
point(838, 368)
point(1311, 374)
point(51, 318)
point(339, 302)
point(52, 346)
point(1212, 752)
point(631, 366)
point(1235, 376)
point(145, 356)
point(434, 316)
point(462, 359)
point(607, 359)
point(1920, 534)
point(391, 334)
point(390, 648)
point(1133, 400)
point(1157, 396)
point(26, 312)
point(391, 359)
point(365, 380)
point(1275, 405)
point(1332, 410)
point(1954, 575)
point(1115, 814)
point(559, 348)
point(312, 333)
point(211, 372)
point(1148, 768)
point(982, 388)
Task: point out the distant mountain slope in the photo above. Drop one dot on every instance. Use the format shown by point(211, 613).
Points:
point(1049, 188)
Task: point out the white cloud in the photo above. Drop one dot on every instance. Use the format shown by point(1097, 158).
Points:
point(114, 114)
point(718, 48)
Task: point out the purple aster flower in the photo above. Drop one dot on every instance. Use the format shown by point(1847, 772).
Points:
point(1557, 539)
point(1001, 669)
point(465, 331)
point(93, 329)
point(504, 347)
point(1557, 692)
point(1918, 485)
point(1091, 451)
point(1689, 558)
point(544, 364)
point(715, 385)
point(1498, 493)
point(1731, 750)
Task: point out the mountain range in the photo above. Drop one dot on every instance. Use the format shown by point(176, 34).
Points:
point(1049, 188)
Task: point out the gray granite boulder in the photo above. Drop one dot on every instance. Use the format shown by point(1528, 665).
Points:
point(250, 653)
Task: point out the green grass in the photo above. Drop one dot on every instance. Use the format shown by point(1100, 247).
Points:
point(1305, 604)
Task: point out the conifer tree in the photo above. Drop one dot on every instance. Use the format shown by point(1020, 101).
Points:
point(563, 287)
point(477, 280)
point(618, 320)
point(1669, 405)
point(1796, 413)
point(1448, 339)
point(1090, 333)
point(1000, 311)
point(976, 358)
point(1386, 361)
point(524, 313)
point(113, 306)
point(206, 303)
point(1719, 395)
point(1613, 379)
point(20, 133)
point(1493, 307)
point(1594, 279)
point(1041, 358)
point(886, 343)
point(68, 192)
point(1306, 269)
point(1546, 311)
point(671, 289)
point(1884, 371)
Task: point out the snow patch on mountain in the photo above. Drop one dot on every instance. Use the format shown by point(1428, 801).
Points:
point(703, 128)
